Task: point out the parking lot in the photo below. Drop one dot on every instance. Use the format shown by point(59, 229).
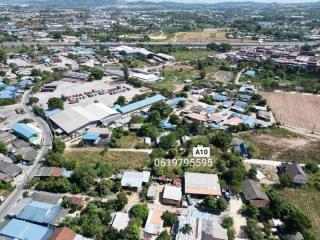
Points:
point(89, 92)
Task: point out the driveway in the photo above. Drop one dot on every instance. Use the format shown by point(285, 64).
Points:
point(238, 220)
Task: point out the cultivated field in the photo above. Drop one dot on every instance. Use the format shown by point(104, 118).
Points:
point(308, 202)
point(296, 109)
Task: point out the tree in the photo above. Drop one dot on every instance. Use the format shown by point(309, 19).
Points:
point(120, 101)
point(186, 229)
point(227, 222)
point(139, 211)
point(253, 231)
point(103, 170)
point(33, 100)
point(169, 141)
point(157, 153)
point(84, 176)
point(149, 130)
point(203, 74)
point(126, 72)
point(251, 211)
point(174, 119)
point(169, 218)
point(55, 103)
point(3, 56)
point(3, 148)
point(58, 146)
point(164, 235)
point(312, 167)
point(221, 139)
point(132, 231)
point(211, 204)
point(121, 201)
point(285, 179)
point(222, 204)
point(162, 108)
point(154, 118)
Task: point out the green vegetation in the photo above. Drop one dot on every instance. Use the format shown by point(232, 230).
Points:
point(133, 160)
point(187, 55)
point(5, 188)
point(55, 102)
point(269, 75)
point(3, 148)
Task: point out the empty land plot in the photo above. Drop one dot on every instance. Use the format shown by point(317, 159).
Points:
point(308, 202)
point(188, 55)
point(119, 160)
point(223, 76)
point(204, 36)
point(296, 109)
point(280, 144)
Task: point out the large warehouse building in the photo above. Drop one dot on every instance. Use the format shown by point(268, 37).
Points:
point(76, 118)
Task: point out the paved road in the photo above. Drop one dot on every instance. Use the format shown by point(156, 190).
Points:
point(188, 44)
point(46, 143)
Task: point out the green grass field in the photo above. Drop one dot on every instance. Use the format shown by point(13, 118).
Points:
point(308, 202)
point(192, 55)
point(129, 141)
point(119, 160)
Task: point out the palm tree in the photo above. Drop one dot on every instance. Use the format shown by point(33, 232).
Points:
point(186, 229)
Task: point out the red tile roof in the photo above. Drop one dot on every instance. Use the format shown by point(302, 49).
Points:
point(63, 233)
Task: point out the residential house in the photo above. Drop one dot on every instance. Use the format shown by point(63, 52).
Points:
point(254, 194)
point(201, 184)
point(295, 171)
point(172, 195)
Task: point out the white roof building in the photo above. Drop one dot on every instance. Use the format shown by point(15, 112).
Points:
point(154, 223)
point(172, 193)
point(120, 221)
point(133, 179)
point(75, 118)
point(202, 184)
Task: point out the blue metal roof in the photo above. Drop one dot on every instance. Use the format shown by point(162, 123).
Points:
point(214, 126)
point(91, 136)
point(24, 130)
point(226, 104)
point(49, 113)
point(40, 212)
point(3, 85)
point(246, 119)
point(174, 101)
point(211, 109)
point(140, 104)
point(250, 73)
point(218, 97)
point(19, 229)
point(165, 124)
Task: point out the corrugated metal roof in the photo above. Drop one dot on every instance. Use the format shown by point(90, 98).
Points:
point(91, 136)
point(40, 212)
point(24, 130)
point(202, 183)
point(24, 230)
point(140, 104)
point(172, 192)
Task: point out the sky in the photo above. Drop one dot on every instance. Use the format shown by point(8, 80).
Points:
point(203, 1)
